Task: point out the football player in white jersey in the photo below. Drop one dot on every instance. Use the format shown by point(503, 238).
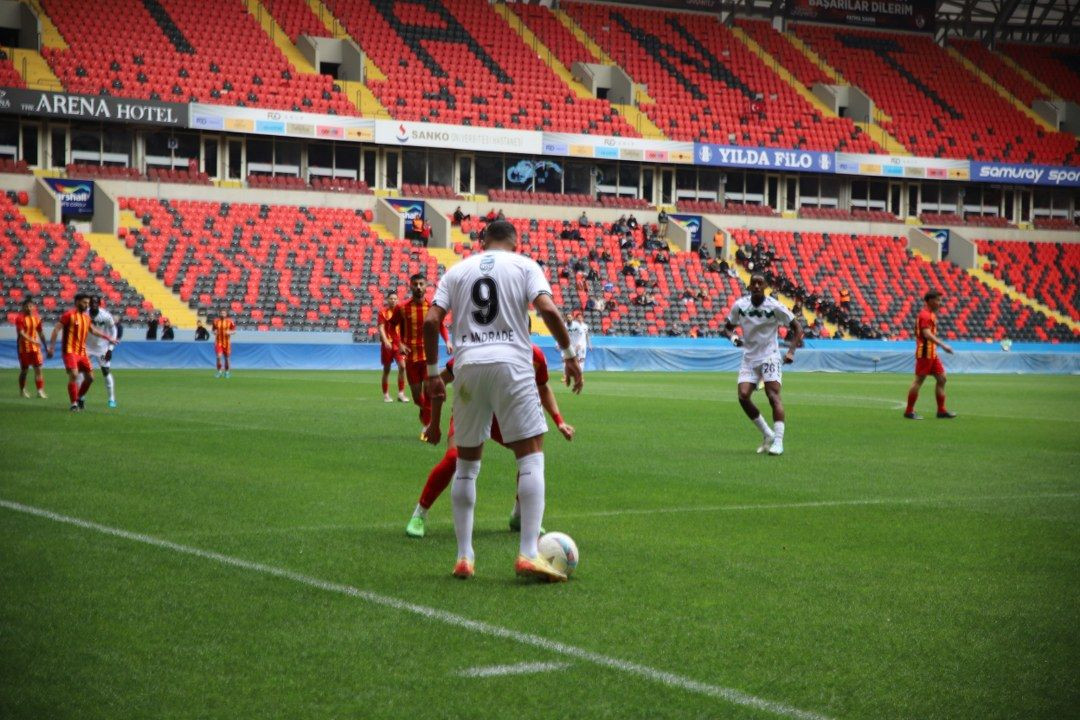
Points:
point(489, 295)
point(579, 336)
point(760, 317)
point(100, 349)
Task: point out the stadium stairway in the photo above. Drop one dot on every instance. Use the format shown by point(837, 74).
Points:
point(279, 37)
point(50, 35)
point(136, 274)
point(1013, 294)
point(877, 133)
point(1008, 96)
point(35, 72)
point(1039, 85)
point(358, 93)
point(33, 215)
point(637, 119)
point(592, 46)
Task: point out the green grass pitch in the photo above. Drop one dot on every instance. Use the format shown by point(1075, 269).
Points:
point(881, 568)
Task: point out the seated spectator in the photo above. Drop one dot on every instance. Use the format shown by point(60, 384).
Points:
point(583, 221)
point(662, 256)
point(628, 269)
point(702, 293)
point(491, 216)
point(662, 220)
point(459, 216)
point(687, 296)
point(626, 242)
point(632, 222)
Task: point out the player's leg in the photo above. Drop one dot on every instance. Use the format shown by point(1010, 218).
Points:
point(749, 376)
point(912, 396)
point(71, 367)
point(23, 368)
point(772, 391)
point(110, 380)
point(438, 480)
point(227, 355)
point(472, 426)
point(516, 403)
point(39, 381)
point(939, 393)
point(217, 360)
point(386, 381)
point(88, 378)
point(401, 380)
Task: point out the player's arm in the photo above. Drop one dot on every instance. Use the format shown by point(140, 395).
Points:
point(433, 431)
point(547, 399)
point(545, 308)
point(383, 335)
point(729, 333)
point(103, 336)
point(445, 335)
point(52, 338)
point(795, 339)
point(931, 337)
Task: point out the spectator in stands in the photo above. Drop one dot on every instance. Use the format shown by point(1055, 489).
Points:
point(583, 221)
point(662, 220)
point(626, 242)
point(166, 329)
point(845, 300)
point(491, 216)
point(201, 333)
point(662, 257)
point(632, 222)
point(152, 326)
point(425, 233)
point(459, 216)
point(687, 296)
point(629, 269)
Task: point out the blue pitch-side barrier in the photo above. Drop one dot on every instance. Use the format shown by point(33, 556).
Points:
point(616, 354)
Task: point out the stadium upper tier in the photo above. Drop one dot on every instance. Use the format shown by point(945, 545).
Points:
point(938, 108)
point(465, 62)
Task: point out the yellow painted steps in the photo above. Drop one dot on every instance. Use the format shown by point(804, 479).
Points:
point(1013, 294)
point(358, 93)
point(445, 256)
point(279, 37)
point(1039, 85)
point(382, 231)
point(591, 45)
point(1008, 96)
point(783, 72)
point(361, 96)
point(50, 36)
point(139, 277)
point(545, 54)
point(638, 120)
point(33, 215)
point(337, 30)
point(830, 72)
point(808, 315)
point(34, 70)
point(882, 137)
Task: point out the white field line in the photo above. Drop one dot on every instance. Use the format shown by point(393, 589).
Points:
point(673, 680)
point(809, 504)
point(527, 668)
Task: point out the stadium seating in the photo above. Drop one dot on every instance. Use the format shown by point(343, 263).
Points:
point(437, 192)
point(717, 208)
point(19, 167)
point(183, 177)
point(542, 198)
point(1055, 67)
point(52, 263)
point(708, 85)
point(276, 266)
point(337, 184)
point(103, 172)
point(938, 108)
point(296, 18)
point(1002, 73)
point(1056, 223)
point(9, 75)
point(277, 182)
point(787, 55)
point(210, 51)
point(607, 298)
point(887, 282)
point(822, 213)
point(1048, 272)
point(993, 221)
point(456, 61)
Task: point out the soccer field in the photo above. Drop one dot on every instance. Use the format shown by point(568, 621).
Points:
point(236, 549)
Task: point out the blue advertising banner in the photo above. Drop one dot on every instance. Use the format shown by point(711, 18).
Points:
point(409, 208)
point(692, 225)
point(76, 196)
point(942, 236)
point(1016, 174)
point(763, 158)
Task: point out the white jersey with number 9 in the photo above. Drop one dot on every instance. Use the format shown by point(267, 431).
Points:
point(489, 296)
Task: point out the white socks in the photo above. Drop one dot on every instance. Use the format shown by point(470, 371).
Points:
point(531, 499)
point(763, 426)
point(419, 511)
point(463, 496)
point(110, 385)
point(778, 429)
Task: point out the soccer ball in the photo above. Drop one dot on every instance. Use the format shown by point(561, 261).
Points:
point(560, 550)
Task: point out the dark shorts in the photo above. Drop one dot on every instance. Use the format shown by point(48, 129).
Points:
point(929, 366)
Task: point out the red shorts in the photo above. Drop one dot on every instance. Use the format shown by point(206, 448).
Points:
point(28, 359)
point(225, 350)
point(391, 355)
point(496, 433)
point(929, 366)
point(77, 362)
point(416, 372)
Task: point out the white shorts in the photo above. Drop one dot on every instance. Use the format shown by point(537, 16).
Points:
point(506, 391)
point(581, 351)
point(100, 360)
point(769, 369)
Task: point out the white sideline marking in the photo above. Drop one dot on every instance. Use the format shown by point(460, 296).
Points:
point(526, 668)
point(736, 697)
point(816, 503)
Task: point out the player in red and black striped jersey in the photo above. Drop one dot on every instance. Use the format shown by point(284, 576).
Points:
point(927, 361)
point(440, 476)
point(390, 350)
point(31, 341)
point(76, 325)
point(408, 320)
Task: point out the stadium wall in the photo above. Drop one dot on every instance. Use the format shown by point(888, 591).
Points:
point(332, 351)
